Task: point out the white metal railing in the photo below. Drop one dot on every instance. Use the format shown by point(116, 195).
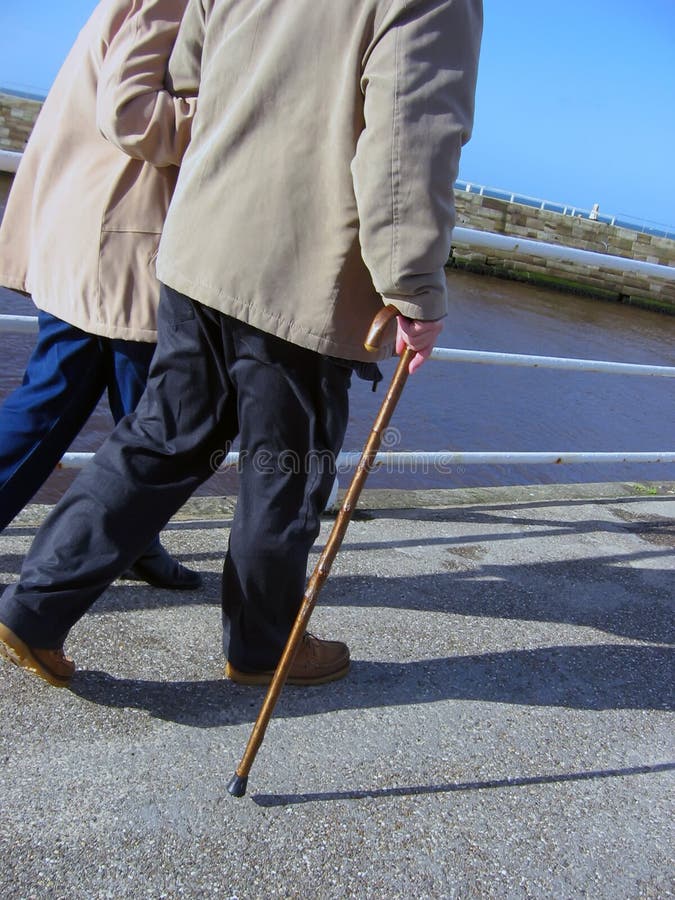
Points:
point(29, 324)
point(658, 229)
point(565, 209)
point(443, 461)
point(9, 160)
point(19, 324)
point(524, 246)
point(550, 362)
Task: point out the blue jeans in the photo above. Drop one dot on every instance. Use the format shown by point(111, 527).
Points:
point(66, 376)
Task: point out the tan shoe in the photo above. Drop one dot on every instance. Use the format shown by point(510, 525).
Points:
point(52, 665)
point(316, 662)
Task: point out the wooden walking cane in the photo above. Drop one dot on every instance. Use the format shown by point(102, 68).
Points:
point(238, 782)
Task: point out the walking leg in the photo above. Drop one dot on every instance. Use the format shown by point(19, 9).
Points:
point(293, 410)
point(128, 368)
point(62, 384)
point(148, 467)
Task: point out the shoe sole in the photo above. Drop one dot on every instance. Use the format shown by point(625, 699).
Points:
point(256, 678)
point(14, 650)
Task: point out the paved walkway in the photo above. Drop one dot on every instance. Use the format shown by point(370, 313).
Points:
point(505, 731)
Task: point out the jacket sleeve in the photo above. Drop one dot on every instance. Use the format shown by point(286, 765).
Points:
point(134, 110)
point(185, 64)
point(418, 80)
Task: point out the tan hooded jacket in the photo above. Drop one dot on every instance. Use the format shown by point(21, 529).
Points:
point(83, 219)
point(319, 179)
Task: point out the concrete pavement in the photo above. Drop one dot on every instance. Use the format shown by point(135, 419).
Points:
point(506, 729)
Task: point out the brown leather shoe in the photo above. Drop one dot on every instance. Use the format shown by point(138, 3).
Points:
point(316, 662)
point(51, 665)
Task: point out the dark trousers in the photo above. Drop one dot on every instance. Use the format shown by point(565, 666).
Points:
point(212, 378)
point(66, 375)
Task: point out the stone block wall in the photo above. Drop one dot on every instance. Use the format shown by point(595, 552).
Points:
point(514, 219)
point(5, 184)
point(17, 117)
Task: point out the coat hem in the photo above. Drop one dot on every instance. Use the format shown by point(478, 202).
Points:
point(100, 329)
point(254, 315)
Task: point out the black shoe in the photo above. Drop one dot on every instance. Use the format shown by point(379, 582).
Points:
point(163, 571)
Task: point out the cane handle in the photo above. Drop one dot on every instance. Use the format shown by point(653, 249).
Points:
point(379, 326)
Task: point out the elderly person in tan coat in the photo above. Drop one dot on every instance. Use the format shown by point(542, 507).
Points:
point(80, 235)
point(318, 184)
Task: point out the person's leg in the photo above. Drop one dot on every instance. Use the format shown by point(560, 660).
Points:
point(128, 368)
point(151, 463)
point(293, 411)
point(62, 384)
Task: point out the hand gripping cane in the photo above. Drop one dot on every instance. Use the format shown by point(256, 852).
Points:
point(237, 784)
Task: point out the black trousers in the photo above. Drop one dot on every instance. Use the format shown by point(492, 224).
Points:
point(212, 378)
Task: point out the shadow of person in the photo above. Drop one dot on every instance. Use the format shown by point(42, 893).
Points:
point(612, 594)
point(593, 677)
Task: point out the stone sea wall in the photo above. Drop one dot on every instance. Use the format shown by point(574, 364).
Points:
point(5, 184)
point(17, 117)
point(514, 219)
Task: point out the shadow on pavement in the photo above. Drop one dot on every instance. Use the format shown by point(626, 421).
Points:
point(451, 787)
point(607, 593)
point(603, 593)
point(597, 677)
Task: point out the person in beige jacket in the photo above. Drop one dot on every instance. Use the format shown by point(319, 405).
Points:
point(317, 185)
point(80, 235)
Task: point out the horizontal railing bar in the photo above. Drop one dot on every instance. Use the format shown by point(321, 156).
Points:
point(524, 247)
point(621, 220)
point(9, 160)
point(78, 459)
point(26, 324)
point(550, 362)
point(442, 459)
point(19, 324)
point(499, 457)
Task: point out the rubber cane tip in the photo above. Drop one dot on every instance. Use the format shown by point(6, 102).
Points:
point(237, 785)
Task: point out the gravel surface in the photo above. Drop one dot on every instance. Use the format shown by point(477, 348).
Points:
point(506, 729)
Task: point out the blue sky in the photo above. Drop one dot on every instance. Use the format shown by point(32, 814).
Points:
point(575, 102)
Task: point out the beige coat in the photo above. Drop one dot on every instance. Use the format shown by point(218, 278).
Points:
point(82, 224)
point(319, 179)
